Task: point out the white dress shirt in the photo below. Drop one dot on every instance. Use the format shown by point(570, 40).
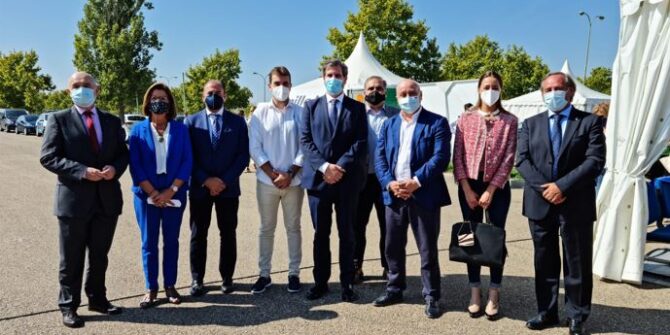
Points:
point(274, 136)
point(403, 170)
point(375, 121)
point(160, 147)
point(96, 122)
point(340, 99)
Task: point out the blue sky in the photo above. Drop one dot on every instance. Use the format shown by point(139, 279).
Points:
point(293, 33)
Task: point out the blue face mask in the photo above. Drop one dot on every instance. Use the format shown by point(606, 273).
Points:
point(214, 102)
point(555, 100)
point(83, 97)
point(334, 86)
point(409, 104)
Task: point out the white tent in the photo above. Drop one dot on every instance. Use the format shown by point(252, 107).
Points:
point(445, 98)
point(638, 130)
point(531, 103)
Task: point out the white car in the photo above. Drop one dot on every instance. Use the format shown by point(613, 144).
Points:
point(129, 121)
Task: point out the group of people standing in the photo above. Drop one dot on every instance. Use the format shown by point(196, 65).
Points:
point(347, 155)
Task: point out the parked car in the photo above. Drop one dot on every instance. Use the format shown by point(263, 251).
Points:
point(41, 124)
point(129, 120)
point(25, 124)
point(8, 118)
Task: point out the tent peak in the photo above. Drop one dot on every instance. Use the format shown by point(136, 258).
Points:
point(566, 68)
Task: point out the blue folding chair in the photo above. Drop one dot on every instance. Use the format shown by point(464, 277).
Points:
point(658, 193)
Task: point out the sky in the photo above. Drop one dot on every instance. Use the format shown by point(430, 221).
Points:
point(293, 33)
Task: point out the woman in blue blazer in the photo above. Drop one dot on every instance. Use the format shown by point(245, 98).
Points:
point(160, 165)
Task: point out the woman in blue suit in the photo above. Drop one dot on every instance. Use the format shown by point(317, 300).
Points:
point(160, 165)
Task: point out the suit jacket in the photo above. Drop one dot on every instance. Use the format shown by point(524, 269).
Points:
point(431, 151)
point(179, 160)
point(346, 145)
point(227, 160)
point(67, 152)
point(581, 159)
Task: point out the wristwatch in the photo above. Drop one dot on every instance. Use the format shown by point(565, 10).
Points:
point(174, 188)
point(292, 172)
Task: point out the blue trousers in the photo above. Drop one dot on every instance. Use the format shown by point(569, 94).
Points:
point(497, 213)
point(152, 220)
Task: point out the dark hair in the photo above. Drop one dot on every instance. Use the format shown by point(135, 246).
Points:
point(281, 71)
point(498, 105)
point(335, 63)
point(467, 106)
point(172, 112)
point(375, 78)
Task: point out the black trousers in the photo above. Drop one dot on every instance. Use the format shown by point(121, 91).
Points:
point(226, 219)
point(369, 197)
point(577, 238)
point(76, 235)
point(321, 209)
point(426, 228)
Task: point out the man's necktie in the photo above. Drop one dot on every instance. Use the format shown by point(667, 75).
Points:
point(90, 129)
point(556, 139)
point(332, 113)
point(216, 128)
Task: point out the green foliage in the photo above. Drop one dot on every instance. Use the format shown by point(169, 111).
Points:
point(21, 84)
point(224, 66)
point(600, 79)
point(399, 43)
point(57, 100)
point(521, 74)
point(114, 46)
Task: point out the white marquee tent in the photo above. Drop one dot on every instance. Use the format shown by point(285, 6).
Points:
point(445, 98)
point(531, 103)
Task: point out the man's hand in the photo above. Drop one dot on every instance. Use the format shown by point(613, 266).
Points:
point(93, 174)
point(108, 172)
point(409, 186)
point(215, 185)
point(552, 193)
point(403, 189)
point(283, 180)
point(333, 173)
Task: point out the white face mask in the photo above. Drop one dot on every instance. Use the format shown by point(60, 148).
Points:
point(489, 97)
point(281, 93)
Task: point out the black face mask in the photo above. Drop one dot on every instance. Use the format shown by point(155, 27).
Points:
point(214, 102)
point(159, 107)
point(375, 98)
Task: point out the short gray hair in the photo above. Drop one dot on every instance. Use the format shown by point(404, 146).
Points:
point(567, 80)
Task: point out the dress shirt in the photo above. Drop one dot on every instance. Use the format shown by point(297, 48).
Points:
point(564, 120)
point(161, 148)
point(375, 121)
point(340, 99)
point(403, 169)
point(274, 137)
point(96, 121)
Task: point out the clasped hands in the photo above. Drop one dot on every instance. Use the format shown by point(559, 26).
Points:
point(107, 173)
point(215, 185)
point(333, 174)
point(403, 189)
point(162, 199)
point(552, 193)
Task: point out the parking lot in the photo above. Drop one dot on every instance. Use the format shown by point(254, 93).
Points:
point(29, 277)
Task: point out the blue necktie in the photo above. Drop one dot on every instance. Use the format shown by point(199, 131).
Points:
point(556, 139)
point(332, 113)
point(216, 129)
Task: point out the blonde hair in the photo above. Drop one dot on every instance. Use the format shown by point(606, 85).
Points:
point(602, 109)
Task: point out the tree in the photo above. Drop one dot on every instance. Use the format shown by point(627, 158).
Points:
point(521, 73)
point(113, 45)
point(399, 43)
point(21, 84)
point(57, 100)
point(600, 79)
point(224, 66)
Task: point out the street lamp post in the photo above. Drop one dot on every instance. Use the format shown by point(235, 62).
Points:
point(588, 40)
point(264, 84)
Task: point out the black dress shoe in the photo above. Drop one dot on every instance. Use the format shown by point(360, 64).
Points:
point(105, 307)
point(542, 321)
point(348, 294)
point(197, 289)
point(316, 292)
point(227, 287)
point(432, 309)
point(576, 327)
point(72, 320)
point(387, 299)
point(358, 276)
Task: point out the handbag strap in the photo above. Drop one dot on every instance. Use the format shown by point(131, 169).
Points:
point(463, 224)
point(487, 219)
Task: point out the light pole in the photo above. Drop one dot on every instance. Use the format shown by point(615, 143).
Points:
point(264, 84)
point(588, 40)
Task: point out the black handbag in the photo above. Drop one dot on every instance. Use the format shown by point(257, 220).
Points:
point(478, 243)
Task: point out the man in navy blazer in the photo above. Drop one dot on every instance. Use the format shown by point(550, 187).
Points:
point(333, 139)
point(220, 155)
point(560, 154)
point(413, 151)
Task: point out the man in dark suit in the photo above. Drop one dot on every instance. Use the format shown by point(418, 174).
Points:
point(412, 153)
point(85, 147)
point(371, 196)
point(220, 155)
point(333, 139)
point(560, 154)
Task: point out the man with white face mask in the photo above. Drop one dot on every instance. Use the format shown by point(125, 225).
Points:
point(560, 153)
point(413, 150)
point(274, 144)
